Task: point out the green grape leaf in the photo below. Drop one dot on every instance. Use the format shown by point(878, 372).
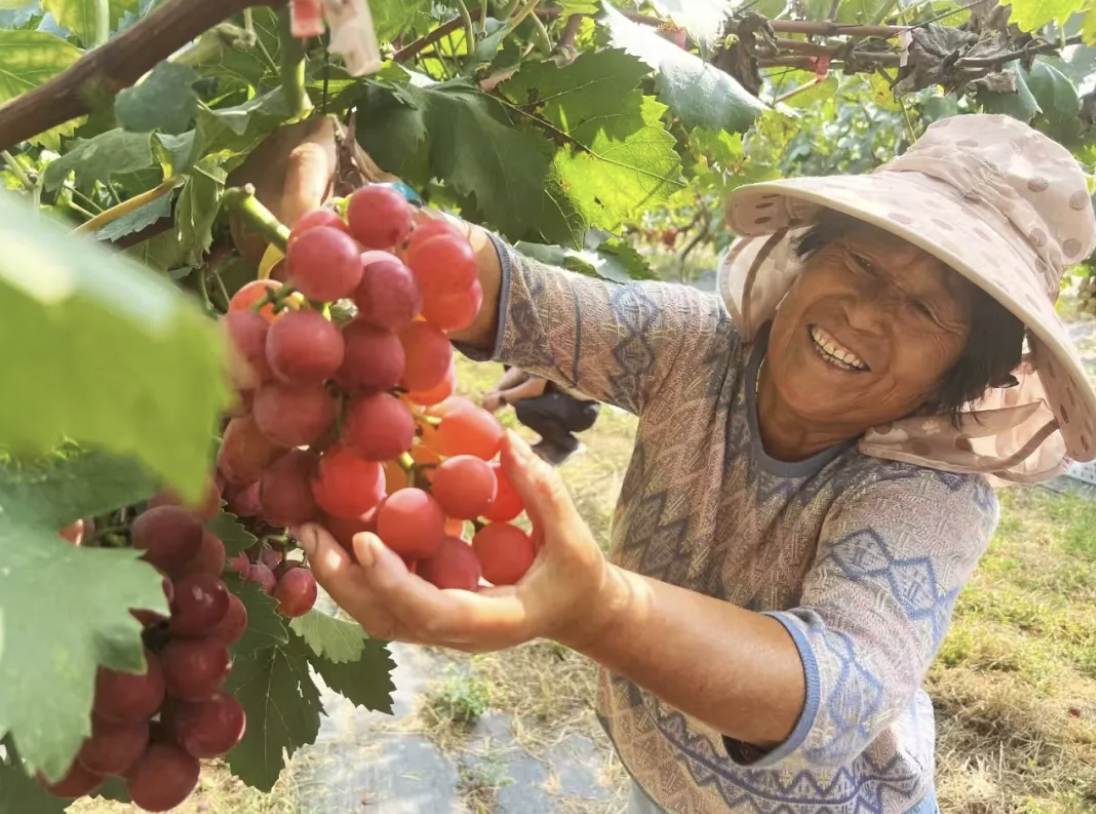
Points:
point(330, 638)
point(1058, 99)
point(69, 483)
point(64, 610)
point(620, 262)
point(111, 356)
point(604, 256)
point(198, 207)
point(1030, 15)
point(79, 16)
point(701, 94)
point(568, 7)
point(366, 682)
point(29, 58)
point(233, 534)
point(176, 154)
point(391, 131)
point(1020, 105)
point(19, 792)
point(229, 134)
point(136, 220)
point(616, 159)
point(390, 17)
point(266, 627)
point(165, 101)
point(110, 154)
point(283, 711)
point(477, 152)
point(162, 252)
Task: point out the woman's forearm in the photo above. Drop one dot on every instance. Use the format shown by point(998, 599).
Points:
point(481, 333)
point(529, 389)
point(735, 670)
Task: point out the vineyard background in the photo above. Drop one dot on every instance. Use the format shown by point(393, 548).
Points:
point(601, 137)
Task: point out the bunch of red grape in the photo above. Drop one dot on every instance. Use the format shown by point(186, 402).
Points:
point(352, 422)
point(152, 729)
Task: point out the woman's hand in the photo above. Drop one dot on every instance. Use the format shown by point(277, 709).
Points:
point(566, 595)
point(491, 402)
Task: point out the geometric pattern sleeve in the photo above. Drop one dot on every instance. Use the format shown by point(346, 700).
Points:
point(893, 556)
point(614, 343)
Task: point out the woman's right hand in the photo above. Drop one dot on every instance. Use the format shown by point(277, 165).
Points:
point(492, 402)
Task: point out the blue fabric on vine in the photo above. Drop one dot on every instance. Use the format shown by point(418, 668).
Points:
point(860, 559)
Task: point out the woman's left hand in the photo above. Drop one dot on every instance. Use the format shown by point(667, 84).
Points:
point(564, 596)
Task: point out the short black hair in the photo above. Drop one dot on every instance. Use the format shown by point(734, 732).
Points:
point(994, 343)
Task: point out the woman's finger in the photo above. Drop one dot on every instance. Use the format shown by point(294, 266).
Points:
point(540, 486)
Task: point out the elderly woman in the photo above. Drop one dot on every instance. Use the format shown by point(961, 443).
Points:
point(809, 489)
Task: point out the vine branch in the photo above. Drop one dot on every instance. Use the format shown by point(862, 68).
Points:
point(292, 66)
point(424, 42)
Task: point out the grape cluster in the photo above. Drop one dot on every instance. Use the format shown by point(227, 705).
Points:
point(352, 422)
point(154, 728)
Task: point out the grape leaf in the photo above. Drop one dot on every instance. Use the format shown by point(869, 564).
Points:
point(162, 252)
point(330, 638)
point(68, 483)
point(390, 17)
point(19, 792)
point(229, 134)
point(198, 206)
point(29, 58)
point(109, 154)
point(701, 94)
point(64, 610)
point(236, 538)
point(265, 626)
point(617, 159)
point(390, 131)
point(110, 355)
point(1057, 98)
point(165, 101)
point(79, 16)
point(366, 682)
point(1030, 15)
point(605, 256)
point(1020, 105)
point(136, 220)
point(283, 711)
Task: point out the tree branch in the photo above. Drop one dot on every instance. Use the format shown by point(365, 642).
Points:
point(102, 72)
point(424, 42)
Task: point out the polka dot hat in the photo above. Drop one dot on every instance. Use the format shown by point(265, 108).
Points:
point(1003, 205)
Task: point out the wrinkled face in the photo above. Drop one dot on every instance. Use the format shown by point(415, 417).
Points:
point(867, 331)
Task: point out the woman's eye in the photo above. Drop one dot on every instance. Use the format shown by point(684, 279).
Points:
point(865, 264)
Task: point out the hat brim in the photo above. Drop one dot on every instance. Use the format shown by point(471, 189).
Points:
point(965, 233)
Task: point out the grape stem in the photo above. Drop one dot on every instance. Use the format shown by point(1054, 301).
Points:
point(125, 207)
point(429, 420)
point(243, 199)
point(273, 297)
point(292, 67)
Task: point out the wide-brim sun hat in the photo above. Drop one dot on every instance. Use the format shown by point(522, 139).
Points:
point(1001, 204)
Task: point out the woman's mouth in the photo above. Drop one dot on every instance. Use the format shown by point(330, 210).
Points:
point(834, 353)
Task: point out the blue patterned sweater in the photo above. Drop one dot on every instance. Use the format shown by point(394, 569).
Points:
point(860, 559)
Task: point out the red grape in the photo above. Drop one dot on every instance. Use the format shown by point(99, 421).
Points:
point(344, 531)
point(507, 503)
point(324, 263)
point(251, 293)
point(374, 358)
point(245, 452)
point(444, 263)
point(377, 426)
point(433, 228)
point(464, 486)
point(242, 565)
point(428, 356)
point(207, 510)
point(263, 576)
point(194, 668)
point(294, 416)
point(505, 553)
point(78, 782)
point(243, 501)
point(285, 489)
point(232, 626)
point(317, 217)
point(271, 558)
point(211, 728)
point(304, 348)
point(201, 602)
point(163, 778)
point(210, 558)
point(295, 592)
point(438, 393)
point(469, 430)
point(452, 565)
point(127, 697)
point(379, 217)
point(345, 485)
point(285, 566)
point(411, 523)
point(454, 310)
point(388, 295)
point(113, 748)
point(248, 330)
point(169, 536)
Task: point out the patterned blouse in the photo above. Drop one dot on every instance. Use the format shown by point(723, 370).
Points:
point(859, 558)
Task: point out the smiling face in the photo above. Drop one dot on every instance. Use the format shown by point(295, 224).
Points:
point(866, 333)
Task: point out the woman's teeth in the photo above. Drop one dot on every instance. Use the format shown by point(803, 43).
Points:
point(840, 357)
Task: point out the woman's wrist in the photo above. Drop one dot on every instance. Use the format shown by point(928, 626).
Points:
point(603, 615)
